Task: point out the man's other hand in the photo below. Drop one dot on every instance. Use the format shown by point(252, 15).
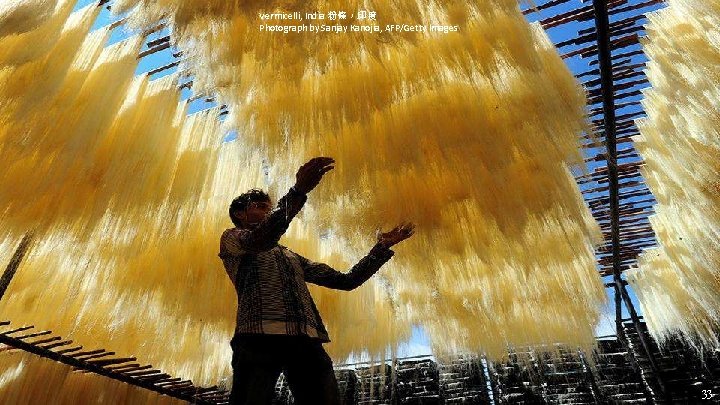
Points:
point(310, 174)
point(397, 235)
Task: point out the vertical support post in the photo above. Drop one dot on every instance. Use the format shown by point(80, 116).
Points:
point(602, 29)
point(591, 378)
point(619, 331)
point(17, 258)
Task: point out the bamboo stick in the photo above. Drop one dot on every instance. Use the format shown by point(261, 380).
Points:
point(15, 261)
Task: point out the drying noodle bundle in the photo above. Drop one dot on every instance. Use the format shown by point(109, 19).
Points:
point(19, 16)
point(468, 134)
point(51, 124)
point(678, 282)
point(99, 164)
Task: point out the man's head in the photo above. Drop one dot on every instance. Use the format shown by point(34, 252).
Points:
point(250, 208)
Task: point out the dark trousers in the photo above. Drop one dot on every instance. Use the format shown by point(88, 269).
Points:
point(258, 360)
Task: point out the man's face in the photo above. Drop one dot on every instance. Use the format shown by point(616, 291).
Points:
point(255, 213)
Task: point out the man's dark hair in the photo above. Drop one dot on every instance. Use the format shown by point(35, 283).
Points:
point(241, 202)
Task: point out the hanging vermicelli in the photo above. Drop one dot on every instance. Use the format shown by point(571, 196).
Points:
point(469, 134)
point(678, 282)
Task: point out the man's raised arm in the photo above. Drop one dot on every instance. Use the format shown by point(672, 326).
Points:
point(324, 275)
point(268, 232)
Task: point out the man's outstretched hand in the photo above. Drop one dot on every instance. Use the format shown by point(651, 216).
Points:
point(397, 235)
point(309, 175)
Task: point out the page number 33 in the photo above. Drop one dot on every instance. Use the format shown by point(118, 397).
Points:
point(708, 394)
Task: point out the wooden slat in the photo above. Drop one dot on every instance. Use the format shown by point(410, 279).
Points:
point(90, 361)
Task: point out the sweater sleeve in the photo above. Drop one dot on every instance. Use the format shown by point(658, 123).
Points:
point(324, 275)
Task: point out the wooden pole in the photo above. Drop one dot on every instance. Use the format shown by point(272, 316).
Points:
point(605, 61)
point(17, 258)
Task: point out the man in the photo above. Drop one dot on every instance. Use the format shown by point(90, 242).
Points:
point(278, 326)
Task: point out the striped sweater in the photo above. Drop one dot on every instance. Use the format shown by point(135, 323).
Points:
point(270, 279)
